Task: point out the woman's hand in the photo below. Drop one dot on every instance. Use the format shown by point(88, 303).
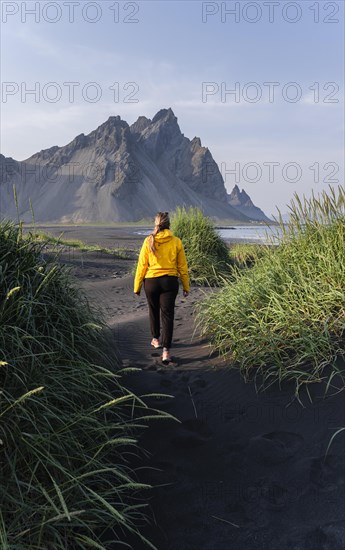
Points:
point(137, 293)
point(185, 294)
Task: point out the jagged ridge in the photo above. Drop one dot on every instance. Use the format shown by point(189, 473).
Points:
point(117, 173)
point(242, 202)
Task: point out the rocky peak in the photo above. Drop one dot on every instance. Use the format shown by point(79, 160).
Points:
point(110, 136)
point(196, 142)
point(164, 114)
point(139, 125)
point(242, 201)
point(237, 197)
point(162, 133)
point(8, 167)
point(115, 119)
point(113, 124)
point(6, 159)
point(45, 154)
point(79, 142)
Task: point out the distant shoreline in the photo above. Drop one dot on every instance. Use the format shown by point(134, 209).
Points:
point(132, 236)
point(141, 224)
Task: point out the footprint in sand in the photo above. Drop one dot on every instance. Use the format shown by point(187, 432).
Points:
point(165, 367)
point(166, 382)
point(327, 473)
point(191, 433)
point(270, 494)
point(275, 447)
point(199, 382)
point(328, 537)
point(318, 473)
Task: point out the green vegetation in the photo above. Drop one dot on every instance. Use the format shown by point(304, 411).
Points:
point(207, 254)
point(49, 239)
point(332, 439)
point(68, 426)
point(284, 319)
point(245, 254)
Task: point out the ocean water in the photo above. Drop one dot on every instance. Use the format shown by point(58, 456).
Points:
point(251, 233)
point(245, 233)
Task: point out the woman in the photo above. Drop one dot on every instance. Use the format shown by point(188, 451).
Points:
point(161, 261)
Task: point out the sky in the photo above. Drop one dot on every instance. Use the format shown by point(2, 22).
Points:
point(260, 82)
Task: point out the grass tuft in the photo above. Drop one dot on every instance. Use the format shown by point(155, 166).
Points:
point(67, 425)
point(246, 255)
point(207, 254)
point(285, 318)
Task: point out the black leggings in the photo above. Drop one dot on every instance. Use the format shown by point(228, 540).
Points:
point(161, 294)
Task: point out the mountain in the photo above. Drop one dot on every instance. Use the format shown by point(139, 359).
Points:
point(117, 173)
point(243, 203)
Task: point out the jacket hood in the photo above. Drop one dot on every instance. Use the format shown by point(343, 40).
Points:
point(164, 236)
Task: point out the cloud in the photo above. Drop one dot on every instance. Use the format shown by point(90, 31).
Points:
point(35, 42)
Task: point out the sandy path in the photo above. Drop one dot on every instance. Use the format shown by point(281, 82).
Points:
point(240, 471)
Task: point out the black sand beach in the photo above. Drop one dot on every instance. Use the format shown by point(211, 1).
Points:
point(240, 470)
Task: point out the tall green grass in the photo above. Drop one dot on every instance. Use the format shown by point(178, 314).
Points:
point(67, 425)
point(207, 254)
point(284, 319)
point(245, 254)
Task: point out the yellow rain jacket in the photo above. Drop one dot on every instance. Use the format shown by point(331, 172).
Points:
point(170, 259)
